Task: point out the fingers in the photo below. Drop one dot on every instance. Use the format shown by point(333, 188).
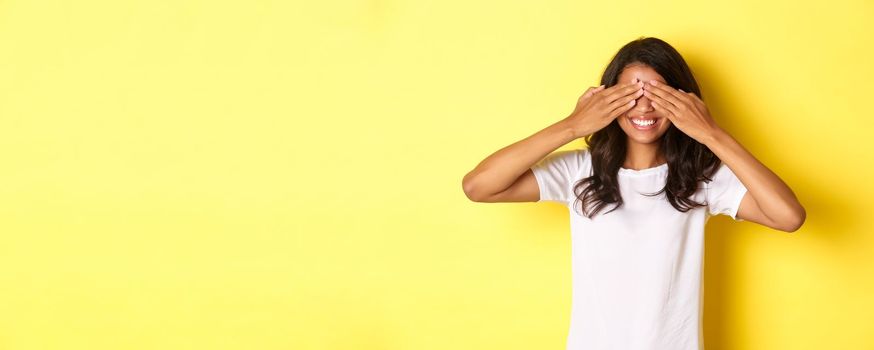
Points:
point(692, 96)
point(592, 90)
point(619, 87)
point(663, 105)
point(659, 106)
point(657, 98)
point(624, 103)
point(623, 90)
point(629, 100)
point(621, 108)
point(666, 93)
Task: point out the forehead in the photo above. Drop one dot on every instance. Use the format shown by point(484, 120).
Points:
point(639, 71)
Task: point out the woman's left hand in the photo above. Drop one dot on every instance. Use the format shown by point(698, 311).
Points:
point(683, 109)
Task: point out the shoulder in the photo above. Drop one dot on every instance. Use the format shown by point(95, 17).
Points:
point(568, 165)
point(720, 176)
point(573, 160)
point(724, 192)
point(723, 182)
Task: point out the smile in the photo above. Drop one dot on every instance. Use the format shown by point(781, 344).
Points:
point(644, 123)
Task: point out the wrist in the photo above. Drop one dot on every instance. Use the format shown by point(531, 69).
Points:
point(716, 136)
point(568, 131)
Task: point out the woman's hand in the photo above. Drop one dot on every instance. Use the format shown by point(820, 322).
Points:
point(683, 109)
point(599, 106)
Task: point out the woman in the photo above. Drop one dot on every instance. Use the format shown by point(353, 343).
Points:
point(657, 167)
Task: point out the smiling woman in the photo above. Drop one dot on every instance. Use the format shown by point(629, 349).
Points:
point(622, 144)
point(656, 156)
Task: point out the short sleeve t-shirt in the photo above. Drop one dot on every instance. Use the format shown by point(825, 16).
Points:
point(637, 271)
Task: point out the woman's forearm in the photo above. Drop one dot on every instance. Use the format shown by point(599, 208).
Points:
point(501, 169)
point(775, 199)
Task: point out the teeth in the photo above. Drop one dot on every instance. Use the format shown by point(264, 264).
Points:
point(643, 123)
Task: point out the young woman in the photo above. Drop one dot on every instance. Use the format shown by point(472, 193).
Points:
point(657, 167)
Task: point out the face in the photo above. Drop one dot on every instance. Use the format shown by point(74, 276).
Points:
point(643, 109)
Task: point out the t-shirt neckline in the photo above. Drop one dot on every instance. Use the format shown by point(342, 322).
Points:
point(656, 169)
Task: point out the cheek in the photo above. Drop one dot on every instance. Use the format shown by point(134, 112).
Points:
point(665, 127)
point(623, 121)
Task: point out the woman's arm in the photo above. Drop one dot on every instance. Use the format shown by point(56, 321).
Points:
point(505, 176)
point(769, 201)
point(501, 170)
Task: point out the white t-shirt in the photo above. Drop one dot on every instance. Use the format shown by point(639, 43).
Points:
point(637, 271)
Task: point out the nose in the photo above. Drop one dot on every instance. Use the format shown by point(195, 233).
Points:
point(643, 105)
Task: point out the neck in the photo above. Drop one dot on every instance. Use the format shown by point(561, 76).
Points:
point(643, 156)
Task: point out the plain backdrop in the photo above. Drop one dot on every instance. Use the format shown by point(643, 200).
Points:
point(287, 175)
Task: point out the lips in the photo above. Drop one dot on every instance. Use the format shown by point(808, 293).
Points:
point(655, 121)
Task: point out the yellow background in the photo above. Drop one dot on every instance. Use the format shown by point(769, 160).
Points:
point(287, 175)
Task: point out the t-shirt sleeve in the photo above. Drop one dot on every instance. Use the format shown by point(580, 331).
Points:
point(724, 193)
point(556, 174)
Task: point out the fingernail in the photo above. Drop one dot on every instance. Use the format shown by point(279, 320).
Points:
point(653, 82)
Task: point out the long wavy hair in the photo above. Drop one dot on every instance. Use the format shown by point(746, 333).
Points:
point(688, 160)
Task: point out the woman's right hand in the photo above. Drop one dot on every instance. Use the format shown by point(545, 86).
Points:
point(597, 107)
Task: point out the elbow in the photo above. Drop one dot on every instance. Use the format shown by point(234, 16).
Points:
point(468, 187)
point(798, 221)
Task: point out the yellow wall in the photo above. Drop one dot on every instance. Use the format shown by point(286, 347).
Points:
point(276, 175)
